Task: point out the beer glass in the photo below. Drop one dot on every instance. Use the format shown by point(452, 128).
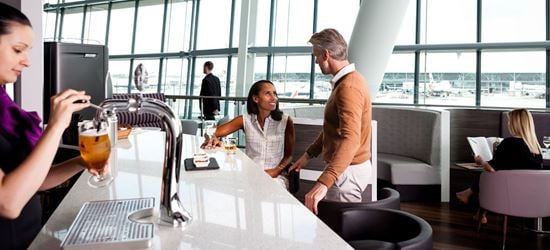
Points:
point(210, 128)
point(95, 149)
point(230, 145)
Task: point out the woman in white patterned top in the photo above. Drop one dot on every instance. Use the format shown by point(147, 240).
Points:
point(269, 132)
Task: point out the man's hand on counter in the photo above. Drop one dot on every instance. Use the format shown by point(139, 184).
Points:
point(316, 194)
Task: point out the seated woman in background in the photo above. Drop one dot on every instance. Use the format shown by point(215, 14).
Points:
point(521, 151)
point(27, 152)
point(269, 132)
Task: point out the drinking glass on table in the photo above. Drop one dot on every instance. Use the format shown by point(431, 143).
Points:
point(230, 145)
point(209, 131)
point(210, 128)
point(546, 142)
point(95, 149)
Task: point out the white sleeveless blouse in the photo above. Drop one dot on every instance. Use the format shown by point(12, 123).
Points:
point(265, 147)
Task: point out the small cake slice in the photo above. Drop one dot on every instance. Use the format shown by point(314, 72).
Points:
point(200, 160)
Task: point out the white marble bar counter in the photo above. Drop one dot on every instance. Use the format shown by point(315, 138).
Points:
point(235, 207)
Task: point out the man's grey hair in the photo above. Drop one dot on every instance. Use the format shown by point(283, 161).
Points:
point(331, 40)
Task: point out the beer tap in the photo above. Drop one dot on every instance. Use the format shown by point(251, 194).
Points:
point(171, 209)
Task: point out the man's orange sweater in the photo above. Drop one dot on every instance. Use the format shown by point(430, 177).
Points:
point(346, 135)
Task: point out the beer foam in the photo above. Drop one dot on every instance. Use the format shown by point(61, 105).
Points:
point(93, 132)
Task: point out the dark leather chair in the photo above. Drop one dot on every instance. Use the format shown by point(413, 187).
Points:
point(328, 211)
point(378, 228)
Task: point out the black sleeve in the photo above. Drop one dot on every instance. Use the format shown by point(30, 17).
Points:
point(204, 87)
point(500, 154)
point(513, 153)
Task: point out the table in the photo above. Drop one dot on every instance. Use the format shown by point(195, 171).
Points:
point(237, 206)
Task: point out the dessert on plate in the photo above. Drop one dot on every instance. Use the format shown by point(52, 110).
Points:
point(200, 159)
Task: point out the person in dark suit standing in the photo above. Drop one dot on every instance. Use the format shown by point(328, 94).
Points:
point(210, 87)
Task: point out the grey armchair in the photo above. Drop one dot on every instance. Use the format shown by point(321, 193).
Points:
point(521, 193)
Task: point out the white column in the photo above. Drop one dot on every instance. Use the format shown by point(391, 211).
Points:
point(242, 54)
point(371, 44)
point(31, 83)
point(445, 152)
point(374, 160)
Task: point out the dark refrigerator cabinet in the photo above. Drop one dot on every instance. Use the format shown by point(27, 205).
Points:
point(75, 66)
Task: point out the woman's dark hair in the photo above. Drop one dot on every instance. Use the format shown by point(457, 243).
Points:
point(10, 15)
point(252, 107)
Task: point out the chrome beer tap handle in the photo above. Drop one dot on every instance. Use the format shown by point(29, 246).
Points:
point(171, 209)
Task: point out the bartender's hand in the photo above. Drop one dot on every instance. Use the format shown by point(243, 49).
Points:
point(211, 142)
point(316, 194)
point(63, 105)
point(301, 162)
point(94, 172)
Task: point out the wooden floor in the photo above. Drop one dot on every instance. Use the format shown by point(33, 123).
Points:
point(454, 228)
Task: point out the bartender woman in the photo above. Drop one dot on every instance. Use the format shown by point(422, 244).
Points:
point(27, 152)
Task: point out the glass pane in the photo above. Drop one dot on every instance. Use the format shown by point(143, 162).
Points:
point(260, 68)
point(96, 24)
point(175, 83)
point(72, 25)
point(322, 84)
point(345, 21)
point(237, 24)
point(152, 67)
point(120, 29)
point(149, 26)
point(293, 22)
point(178, 26)
point(447, 78)
point(262, 23)
point(232, 90)
point(232, 78)
point(119, 73)
point(398, 83)
point(408, 27)
point(49, 25)
point(511, 20)
point(448, 21)
point(520, 82)
point(174, 75)
point(214, 20)
point(291, 76)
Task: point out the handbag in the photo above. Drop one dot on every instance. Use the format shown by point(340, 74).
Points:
point(293, 178)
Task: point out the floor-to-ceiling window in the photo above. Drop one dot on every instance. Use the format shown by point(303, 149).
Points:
point(485, 53)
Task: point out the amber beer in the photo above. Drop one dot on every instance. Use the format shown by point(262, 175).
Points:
point(230, 145)
point(230, 148)
point(95, 149)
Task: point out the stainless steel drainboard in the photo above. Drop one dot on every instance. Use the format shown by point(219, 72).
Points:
point(106, 224)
